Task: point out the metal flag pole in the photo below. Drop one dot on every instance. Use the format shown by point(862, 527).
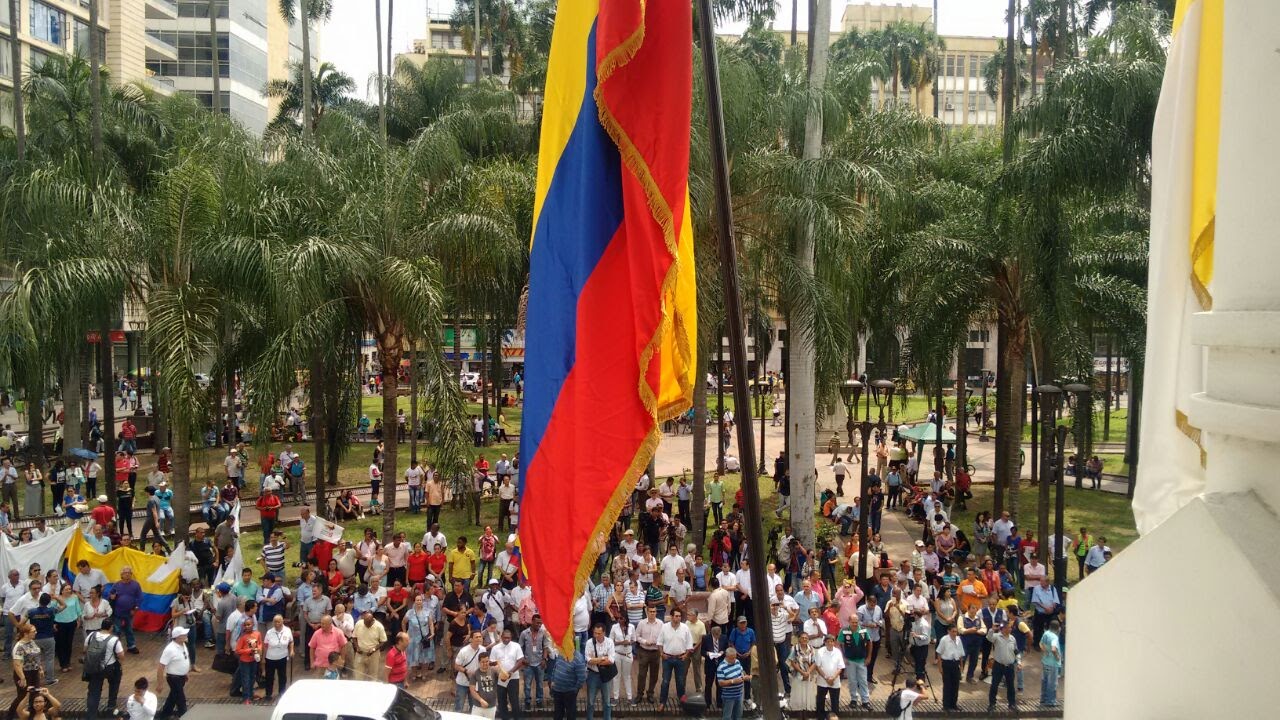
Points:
point(766, 694)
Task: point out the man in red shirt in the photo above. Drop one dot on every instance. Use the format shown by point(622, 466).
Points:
point(482, 473)
point(397, 661)
point(268, 511)
point(963, 483)
point(162, 461)
point(129, 434)
point(103, 514)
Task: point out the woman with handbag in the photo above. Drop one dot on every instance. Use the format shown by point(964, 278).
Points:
point(804, 682)
point(421, 628)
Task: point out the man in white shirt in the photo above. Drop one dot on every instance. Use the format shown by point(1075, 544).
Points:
point(307, 526)
point(630, 546)
point(413, 481)
point(141, 705)
point(916, 602)
point(1097, 556)
point(950, 655)
point(101, 643)
point(1032, 573)
point(671, 562)
point(675, 642)
point(508, 659)
point(911, 694)
point(599, 652)
point(433, 537)
point(466, 663)
point(86, 578)
point(174, 665)
point(1001, 529)
point(828, 662)
point(782, 618)
point(495, 601)
point(648, 654)
point(816, 628)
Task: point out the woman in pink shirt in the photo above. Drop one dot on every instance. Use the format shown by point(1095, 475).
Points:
point(847, 598)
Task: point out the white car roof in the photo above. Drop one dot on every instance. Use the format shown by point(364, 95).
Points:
point(331, 698)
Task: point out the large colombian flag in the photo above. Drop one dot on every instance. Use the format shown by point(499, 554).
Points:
point(157, 575)
point(611, 310)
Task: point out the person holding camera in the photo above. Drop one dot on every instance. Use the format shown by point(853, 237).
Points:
point(907, 698)
point(249, 652)
point(38, 705)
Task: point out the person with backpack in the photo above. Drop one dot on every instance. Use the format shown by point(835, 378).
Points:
point(901, 702)
point(103, 655)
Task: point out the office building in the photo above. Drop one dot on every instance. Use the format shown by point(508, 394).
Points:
point(443, 41)
point(255, 44)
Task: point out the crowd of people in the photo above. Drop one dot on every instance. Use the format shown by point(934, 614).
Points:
point(661, 620)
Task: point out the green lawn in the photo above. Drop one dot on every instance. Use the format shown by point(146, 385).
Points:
point(455, 522)
point(1119, 427)
point(1102, 512)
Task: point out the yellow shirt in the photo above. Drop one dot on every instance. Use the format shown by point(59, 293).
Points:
point(462, 564)
point(1007, 603)
point(369, 638)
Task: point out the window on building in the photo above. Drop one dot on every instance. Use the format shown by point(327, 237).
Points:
point(81, 46)
point(4, 13)
point(949, 66)
point(438, 40)
point(206, 99)
point(48, 23)
point(977, 336)
point(6, 57)
point(200, 8)
point(973, 66)
point(36, 58)
point(194, 57)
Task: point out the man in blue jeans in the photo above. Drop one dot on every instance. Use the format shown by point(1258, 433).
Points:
point(600, 657)
point(1050, 664)
point(1004, 655)
point(675, 642)
point(731, 677)
point(536, 645)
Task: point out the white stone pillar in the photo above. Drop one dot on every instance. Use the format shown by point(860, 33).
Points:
point(1151, 635)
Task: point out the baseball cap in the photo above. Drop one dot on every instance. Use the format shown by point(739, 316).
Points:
point(223, 587)
point(493, 581)
point(102, 498)
point(178, 632)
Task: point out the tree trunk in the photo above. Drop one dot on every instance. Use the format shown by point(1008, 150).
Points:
point(1010, 397)
point(72, 411)
point(106, 383)
point(307, 109)
point(802, 427)
point(1035, 49)
point(82, 371)
point(15, 63)
point(413, 405)
point(382, 108)
point(484, 383)
point(1062, 52)
point(181, 474)
point(95, 88)
point(1106, 396)
point(215, 67)
point(1007, 87)
point(720, 375)
point(1134, 422)
point(219, 419)
point(699, 430)
point(390, 355)
point(319, 424)
point(231, 406)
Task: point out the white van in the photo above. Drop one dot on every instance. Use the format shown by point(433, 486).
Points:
point(353, 700)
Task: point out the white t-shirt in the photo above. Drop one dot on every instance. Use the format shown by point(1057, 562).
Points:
point(830, 661)
point(277, 643)
point(670, 565)
point(908, 698)
point(145, 710)
point(84, 582)
point(175, 659)
point(429, 541)
point(469, 659)
point(674, 640)
point(413, 476)
point(506, 655)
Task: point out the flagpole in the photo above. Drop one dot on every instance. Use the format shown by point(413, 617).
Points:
point(766, 694)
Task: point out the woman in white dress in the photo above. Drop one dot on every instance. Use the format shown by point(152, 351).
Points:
point(804, 686)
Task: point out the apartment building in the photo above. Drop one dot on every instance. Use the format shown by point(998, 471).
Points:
point(443, 41)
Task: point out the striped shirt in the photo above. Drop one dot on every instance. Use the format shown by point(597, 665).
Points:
point(273, 557)
point(730, 671)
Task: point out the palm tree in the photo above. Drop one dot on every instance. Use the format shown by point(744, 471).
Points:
point(329, 88)
point(371, 260)
point(313, 11)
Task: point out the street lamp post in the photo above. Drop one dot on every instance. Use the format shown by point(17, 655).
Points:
point(1080, 397)
point(1048, 398)
point(986, 381)
point(850, 392)
point(962, 427)
point(761, 390)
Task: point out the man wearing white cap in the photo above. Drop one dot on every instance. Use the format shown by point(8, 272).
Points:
point(174, 665)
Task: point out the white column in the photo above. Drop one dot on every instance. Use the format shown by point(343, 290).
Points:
point(1240, 408)
point(1137, 648)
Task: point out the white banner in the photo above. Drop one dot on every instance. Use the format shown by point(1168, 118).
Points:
point(329, 532)
point(47, 552)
